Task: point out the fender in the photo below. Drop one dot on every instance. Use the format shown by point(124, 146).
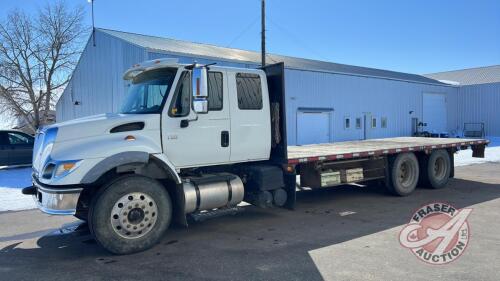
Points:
point(114, 161)
point(167, 166)
point(129, 157)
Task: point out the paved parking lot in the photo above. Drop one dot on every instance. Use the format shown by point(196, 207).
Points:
point(345, 233)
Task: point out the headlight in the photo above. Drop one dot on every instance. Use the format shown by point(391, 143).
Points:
point(65, 167)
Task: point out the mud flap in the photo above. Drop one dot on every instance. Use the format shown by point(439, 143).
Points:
point(478, 150)
point(290, 188)
point(178, 216)
point(452, 163)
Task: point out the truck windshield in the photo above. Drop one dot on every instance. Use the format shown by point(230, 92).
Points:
point(148, 91)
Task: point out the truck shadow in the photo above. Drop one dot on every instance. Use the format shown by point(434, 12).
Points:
point(277, 239)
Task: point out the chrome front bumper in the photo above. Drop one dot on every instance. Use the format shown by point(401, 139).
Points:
point(56, 201)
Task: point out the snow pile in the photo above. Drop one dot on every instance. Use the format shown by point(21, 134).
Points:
point(492, 154)
point(11, 182)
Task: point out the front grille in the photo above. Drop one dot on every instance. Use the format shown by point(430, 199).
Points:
point(37, 150)
point(44, 141)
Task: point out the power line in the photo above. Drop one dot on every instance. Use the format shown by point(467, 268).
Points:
point(295, 38)
point(245, 30)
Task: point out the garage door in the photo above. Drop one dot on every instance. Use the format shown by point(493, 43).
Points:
point(313, 127)
point(434, 112)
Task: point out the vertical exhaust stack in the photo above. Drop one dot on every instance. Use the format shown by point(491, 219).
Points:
point(263, 33)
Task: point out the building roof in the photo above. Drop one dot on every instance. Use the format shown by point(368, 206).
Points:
point(154, 43)
point(471, 76)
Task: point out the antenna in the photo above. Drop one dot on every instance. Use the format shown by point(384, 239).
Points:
point(263, 33)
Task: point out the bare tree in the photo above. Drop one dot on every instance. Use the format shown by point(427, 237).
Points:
point(37, 55)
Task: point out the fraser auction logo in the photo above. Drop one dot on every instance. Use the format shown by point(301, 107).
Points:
point(437, 233)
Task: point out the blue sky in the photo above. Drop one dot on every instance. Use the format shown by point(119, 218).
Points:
point(416, 36)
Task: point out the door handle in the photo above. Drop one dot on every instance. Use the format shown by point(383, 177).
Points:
point(224, 138)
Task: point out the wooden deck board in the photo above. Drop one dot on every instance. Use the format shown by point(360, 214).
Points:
point(374, 145)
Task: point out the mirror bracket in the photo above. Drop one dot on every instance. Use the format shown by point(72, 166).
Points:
point(184, 123)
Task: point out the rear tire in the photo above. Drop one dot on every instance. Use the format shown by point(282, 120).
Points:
point(403, 174)
point(436, 169)
point(130, 214)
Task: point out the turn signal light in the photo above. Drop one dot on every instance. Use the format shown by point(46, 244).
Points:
point(68, 166)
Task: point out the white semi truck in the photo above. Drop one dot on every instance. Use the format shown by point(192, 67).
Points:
point(194, 141)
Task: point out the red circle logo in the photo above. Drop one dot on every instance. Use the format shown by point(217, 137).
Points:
point(437, 233)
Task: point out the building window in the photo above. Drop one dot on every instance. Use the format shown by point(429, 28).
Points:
point(374, 122)
point(215, 92)
point(347, 123)
point(249, 91)
point(358, 123)
point(383, 122)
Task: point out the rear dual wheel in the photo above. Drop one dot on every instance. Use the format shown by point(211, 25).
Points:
point(403, 174)
point(130, 214)
point(436, 169)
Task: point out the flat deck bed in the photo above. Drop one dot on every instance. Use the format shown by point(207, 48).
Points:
point(373, 147)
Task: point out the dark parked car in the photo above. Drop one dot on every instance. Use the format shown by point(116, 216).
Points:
point(16, 148)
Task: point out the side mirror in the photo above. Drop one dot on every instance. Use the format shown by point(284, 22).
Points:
point(200, 85)
point(200, 105)
point(200, 90)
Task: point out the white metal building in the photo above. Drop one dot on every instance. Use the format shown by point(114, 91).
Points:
point(326, 102)
point(478, 95)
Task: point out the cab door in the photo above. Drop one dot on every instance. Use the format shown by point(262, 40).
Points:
point(191, 139)
point(250, 116)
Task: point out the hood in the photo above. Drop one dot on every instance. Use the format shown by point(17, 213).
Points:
point(93, 137)
point(101, 124)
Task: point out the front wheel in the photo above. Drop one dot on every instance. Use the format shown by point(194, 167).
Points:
point(130, 214)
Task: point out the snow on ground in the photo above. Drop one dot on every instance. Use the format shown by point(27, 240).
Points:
point(11, 199)
point(15, 177)
point(464, 157)
point(492, 154)
point(11, 182)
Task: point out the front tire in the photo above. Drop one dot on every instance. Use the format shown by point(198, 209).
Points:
point(403, 174)
point(130, 214)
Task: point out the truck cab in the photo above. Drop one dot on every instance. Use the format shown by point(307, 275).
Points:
point(232, 126)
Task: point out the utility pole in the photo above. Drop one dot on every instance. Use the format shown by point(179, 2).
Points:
point(263, 33)
point(93, 26)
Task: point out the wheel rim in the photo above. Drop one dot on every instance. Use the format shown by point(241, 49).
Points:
point(134, 215)
point(439, 169)
point(406, 174)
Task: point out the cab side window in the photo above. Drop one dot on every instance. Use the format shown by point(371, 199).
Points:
point(181, 101)
point(249, 91)
point(215, 91)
